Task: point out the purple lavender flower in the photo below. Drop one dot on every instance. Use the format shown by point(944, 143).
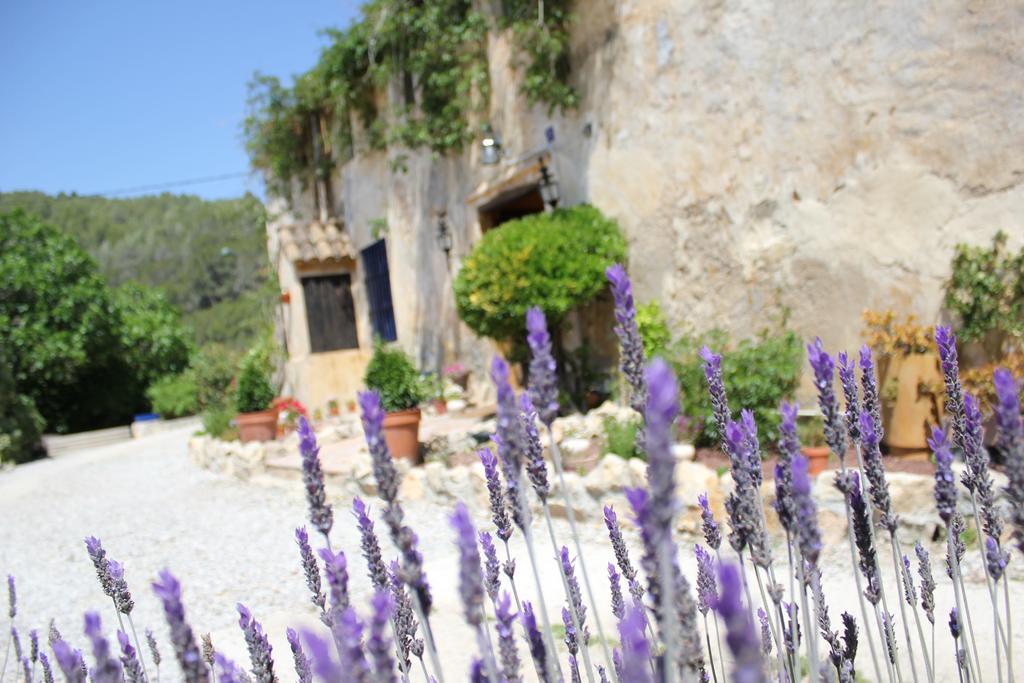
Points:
point(631, 345)
point(492, 568)
point(133, 672)
point(615, 585)
point(33, 646)
point(16, 642)
point(636, 651)
point(712, 534)
point(875, 473)
point(957, 527)
point(571, 641)
point(909, 589)
point(321, 516)
point(996, 559)
point(791, 632)
point(976, 477)
point(370, 545)
point(99, 560)
point(107, 669)
point(946, 342)
point(575, 595)
point(312, 572)
point(260, 651)
point(373, 428)
point(511, 442)
point(302, 667)
point(824, 377)
point(807, 533)
point(741, 635)
point(324, 666)
point(386, 474)
point(499, 510)
point(168, 590)
point(507, 652)
point(869, 388)
point(471, 585)
point(1010, 430)
point(752, 447)
point(889, 626)
point(622, 553)
point(707, 590)
point(789, 447)
point(349, 637)
point(848, 378)
point(535, 641)
point(536, 467)
point(742, 505)
point(766, 636)
point(543, 377)
point(154, 651)
point(12, 598)
point(122, 596)
point(659, 414)
point(945, 483)
point(44, 661)
point(868, 559)
point(229, 671)
point(924, 570)
point(70, 662)
point(640, 502)
point(954, 623)
point(716, 389)
point(405, 620)
point(378, 645)
point(336, 570)
point(207, 649)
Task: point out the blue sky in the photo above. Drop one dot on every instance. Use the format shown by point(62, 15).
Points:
point(108, 94)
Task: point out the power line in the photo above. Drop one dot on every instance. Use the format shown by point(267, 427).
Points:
point(173, 183)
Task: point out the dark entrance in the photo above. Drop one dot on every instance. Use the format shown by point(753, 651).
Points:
point(330, 312)
point(522, 201)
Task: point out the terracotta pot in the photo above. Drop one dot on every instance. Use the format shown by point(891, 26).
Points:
point(402, 434)
point(261, 426)
point(908, 420)
point(817, 457)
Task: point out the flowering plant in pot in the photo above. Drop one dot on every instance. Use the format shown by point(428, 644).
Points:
point(392, 374)
point(458, 373)
point(254, 396)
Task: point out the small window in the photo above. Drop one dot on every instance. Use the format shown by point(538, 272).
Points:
point(330, 312)
point(378, 291)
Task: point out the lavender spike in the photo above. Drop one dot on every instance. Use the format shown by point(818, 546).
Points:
point(187, 652)
point(107, 669)
point(370, 545)
point(536, 467)
point(741, 635)
point(543, 377)
point(848, 378)
point(302, 665)
point(615, 585)
point(260, 651)
point(824, 376)
point(506, 640)
point(535, 640)
point(1010, 432)
point(129, 660)
point(321, 516)
point(492, 568)
point(712, 534)
point(631, 356)
point(471, 585)
point(378, 645)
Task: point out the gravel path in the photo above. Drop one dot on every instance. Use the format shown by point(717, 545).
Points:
point(230, 541)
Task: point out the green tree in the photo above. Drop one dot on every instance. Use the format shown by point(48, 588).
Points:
point(155, 341)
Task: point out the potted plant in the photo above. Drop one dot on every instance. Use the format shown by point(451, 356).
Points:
point(392, 374)
point(438, 401)
point(813, 446)
point(254, 396)
point(288, 410)
point(458, 373)
point(333, 409)
point(910, 379)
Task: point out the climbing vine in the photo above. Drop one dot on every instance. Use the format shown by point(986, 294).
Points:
point(409, 74)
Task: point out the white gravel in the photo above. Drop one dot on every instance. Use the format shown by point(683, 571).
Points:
point(230, 541)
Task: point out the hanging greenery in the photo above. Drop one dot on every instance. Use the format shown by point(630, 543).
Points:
point(409, 74)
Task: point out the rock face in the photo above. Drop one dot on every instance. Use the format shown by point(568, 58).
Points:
point(823, 157)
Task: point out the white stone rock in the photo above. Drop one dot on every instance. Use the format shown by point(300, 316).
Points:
point(575, 446)
point(611, 473)
point(683, 451)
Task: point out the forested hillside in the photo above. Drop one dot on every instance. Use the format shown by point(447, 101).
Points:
point(209, 257)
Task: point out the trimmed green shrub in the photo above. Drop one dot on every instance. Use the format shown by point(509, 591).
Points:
point(758, 374)
point(175, 395)
point(555, 260)
point(654, 331)
point(217, 422)
point(985, 289)
point(392, 374)
point(254, 391)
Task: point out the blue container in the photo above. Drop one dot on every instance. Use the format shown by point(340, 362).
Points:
point(147, 417)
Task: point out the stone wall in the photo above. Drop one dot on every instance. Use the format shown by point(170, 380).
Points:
point(819, 157)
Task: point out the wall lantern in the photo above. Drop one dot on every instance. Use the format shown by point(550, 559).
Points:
point(549, 188)
point(490, 147)
point(444, 234)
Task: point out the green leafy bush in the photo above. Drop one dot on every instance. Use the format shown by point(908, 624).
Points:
point(555, 260)
point(175, 395)
point(392, 374)
point(654, 331)
point(214, 370)
point(758, 374)
point(21, 425)
point(217, 422)
point(254, 392)
point(986, 290)
point(620, 437)
point(154, 339)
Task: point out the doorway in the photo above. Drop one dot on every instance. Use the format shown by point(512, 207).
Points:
point(515, 203)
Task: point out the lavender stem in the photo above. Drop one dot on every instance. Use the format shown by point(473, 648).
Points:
point(138, 647)
point(780, 645)
point(556, 458)
point(512, 581)
point(1009, 626)
point(812, 639)
point(428, 635)
point(576, 623)
point(553, 664)
point(898, 566)
point(988, 580)
point(957, 586)
point(711, 655)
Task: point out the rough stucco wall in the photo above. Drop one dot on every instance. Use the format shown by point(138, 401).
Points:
point(823, 157)
point(817, 157)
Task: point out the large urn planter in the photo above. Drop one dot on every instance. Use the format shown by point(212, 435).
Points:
point(258, 426)
point(908, 419)
point(402, 434)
